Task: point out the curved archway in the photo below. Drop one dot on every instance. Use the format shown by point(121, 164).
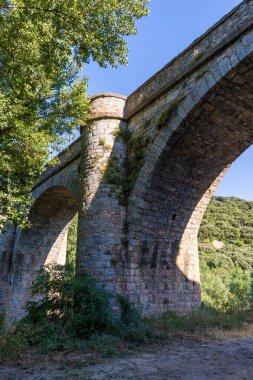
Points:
point(7, 236)
point(225, 240)
point(191, 165)
point(43, 243)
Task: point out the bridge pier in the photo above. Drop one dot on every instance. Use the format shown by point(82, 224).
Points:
point(45, 242)
point(7, 238)
point(142, 258)
point(101, 213)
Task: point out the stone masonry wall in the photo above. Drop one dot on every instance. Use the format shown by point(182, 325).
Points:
point(43, 243)
point(202, 50)
point(196, 130)
point(101, 216)
point(66, 170)
point(141, 177)
point(7, 237)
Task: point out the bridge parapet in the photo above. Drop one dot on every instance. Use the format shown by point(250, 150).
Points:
point(66, 157)
point(237, 22)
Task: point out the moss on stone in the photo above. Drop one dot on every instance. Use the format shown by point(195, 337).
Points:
point(145, 124)
point(170, 111)
point(136, 154)
point(114, 262)
point(201, 72)
point(123, 176)
point(113, 172)
point(124, 133)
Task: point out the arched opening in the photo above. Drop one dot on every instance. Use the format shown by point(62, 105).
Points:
point(7, 236)
point(193, 162)
point(44, 242)
point(225, 241)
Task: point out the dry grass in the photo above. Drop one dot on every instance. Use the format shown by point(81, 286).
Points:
point(246, 331)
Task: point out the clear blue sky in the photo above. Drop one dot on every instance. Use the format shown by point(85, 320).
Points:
point(170, 28)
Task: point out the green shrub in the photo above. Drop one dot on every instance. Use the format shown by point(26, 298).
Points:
point(131, 326)
point(226, 286)
point(12, 343)
point(241, 287)
point(69, 308)
point(71, 303)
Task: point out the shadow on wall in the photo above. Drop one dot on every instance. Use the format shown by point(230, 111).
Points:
point(145, 246)
point(43, 243)
point(7, 237)
point(168, 203)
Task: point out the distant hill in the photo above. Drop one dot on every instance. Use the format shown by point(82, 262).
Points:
point(226, 273)
point(229, 220)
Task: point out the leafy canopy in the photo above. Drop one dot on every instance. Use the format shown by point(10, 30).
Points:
point(43, 47)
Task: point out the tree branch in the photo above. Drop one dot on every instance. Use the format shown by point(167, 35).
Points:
point(56, 11)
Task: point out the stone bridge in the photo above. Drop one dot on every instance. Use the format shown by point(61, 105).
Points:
point(141, 177)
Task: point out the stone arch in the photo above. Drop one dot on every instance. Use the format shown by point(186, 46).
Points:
point(7, 236)
point(44, 242)
point(210, 127)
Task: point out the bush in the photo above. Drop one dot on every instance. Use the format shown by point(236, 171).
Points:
point(72, 303)
point(68, 308)
point(240, 287)
point(226, 285)
point(131, 326)
point(12, 343)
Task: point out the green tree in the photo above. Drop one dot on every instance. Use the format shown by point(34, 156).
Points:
point(72, 243)
point(44, 45)
point(240, 289)
point(226, 274)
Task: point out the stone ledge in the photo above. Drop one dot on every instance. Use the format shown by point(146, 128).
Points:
point(108, 95)
point(231, 26)
point(68, 155)
point(107, 115)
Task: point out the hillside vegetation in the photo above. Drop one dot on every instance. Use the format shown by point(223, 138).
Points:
point(229, 220)
point(226, 273)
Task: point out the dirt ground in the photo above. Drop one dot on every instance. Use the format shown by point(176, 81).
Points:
point(181, 360)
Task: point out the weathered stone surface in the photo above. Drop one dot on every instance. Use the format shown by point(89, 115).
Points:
point(43, 243)
point(176, 136)
point(101, 217)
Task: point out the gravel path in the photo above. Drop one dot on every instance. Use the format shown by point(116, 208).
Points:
point(232, 359)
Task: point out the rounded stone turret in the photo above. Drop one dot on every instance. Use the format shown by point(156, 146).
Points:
point(108, 106)
point(102, 216)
